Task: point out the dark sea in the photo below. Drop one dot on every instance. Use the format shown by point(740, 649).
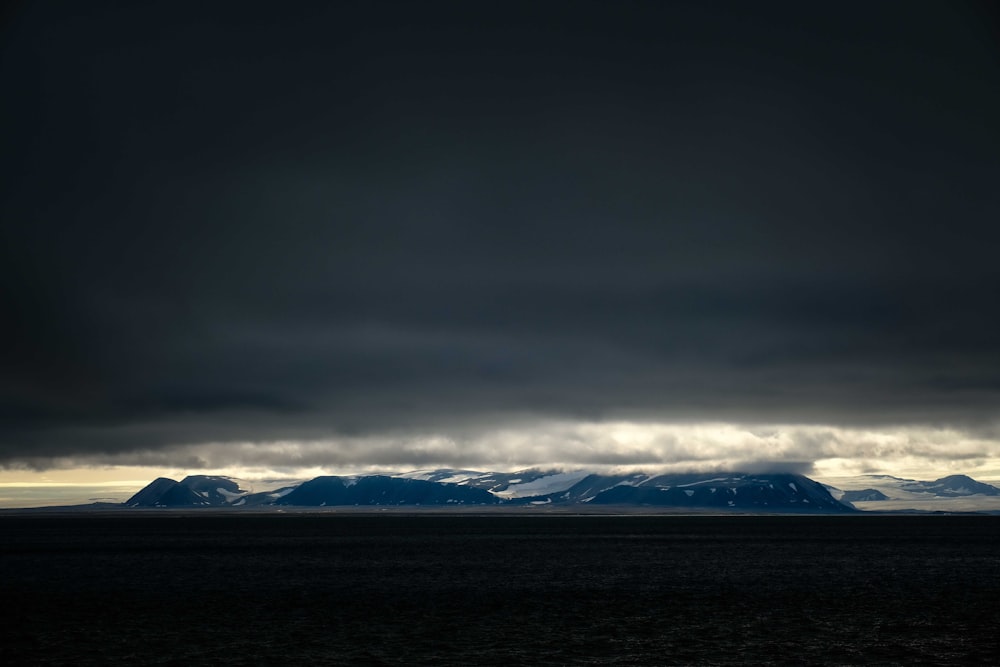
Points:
point(200, 588)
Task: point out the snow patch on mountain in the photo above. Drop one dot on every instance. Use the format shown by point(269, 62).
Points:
point(954, 493)
point(230, 496)
point(543, 485)
point(702, 482)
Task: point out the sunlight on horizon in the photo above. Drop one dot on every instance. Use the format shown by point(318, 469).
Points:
point(820, 452)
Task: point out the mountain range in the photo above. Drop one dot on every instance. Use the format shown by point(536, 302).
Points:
point(886, 493)
point(951, 486)
point(777, 492)
point(771, 492)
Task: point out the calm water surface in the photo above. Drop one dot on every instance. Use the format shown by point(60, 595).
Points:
point(203, 588)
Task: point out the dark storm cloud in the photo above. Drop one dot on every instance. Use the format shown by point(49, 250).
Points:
point(260, 223)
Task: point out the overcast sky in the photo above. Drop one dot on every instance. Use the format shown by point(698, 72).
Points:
point(500, 234)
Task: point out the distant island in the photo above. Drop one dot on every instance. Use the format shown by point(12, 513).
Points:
point(776, 492)
point(585, 491)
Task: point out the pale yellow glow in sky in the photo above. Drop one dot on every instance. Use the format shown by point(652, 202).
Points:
point(832, 452)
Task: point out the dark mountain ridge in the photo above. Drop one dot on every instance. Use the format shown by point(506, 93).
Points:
point(775, 492)
point(165, 492)
point(383, 490)
point(863, 495)
point(783, 491)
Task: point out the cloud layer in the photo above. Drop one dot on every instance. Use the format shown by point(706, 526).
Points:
point(827, 451)
point(357, 229)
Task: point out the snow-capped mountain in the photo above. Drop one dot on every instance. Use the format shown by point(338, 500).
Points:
point(215, 490)
point(774, 492)
point(505, 485)
point(956, 493)
point(952, 486)
point(722, 490)
point(203, 491)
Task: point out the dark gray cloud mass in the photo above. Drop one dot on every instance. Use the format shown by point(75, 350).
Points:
point(258, 222)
